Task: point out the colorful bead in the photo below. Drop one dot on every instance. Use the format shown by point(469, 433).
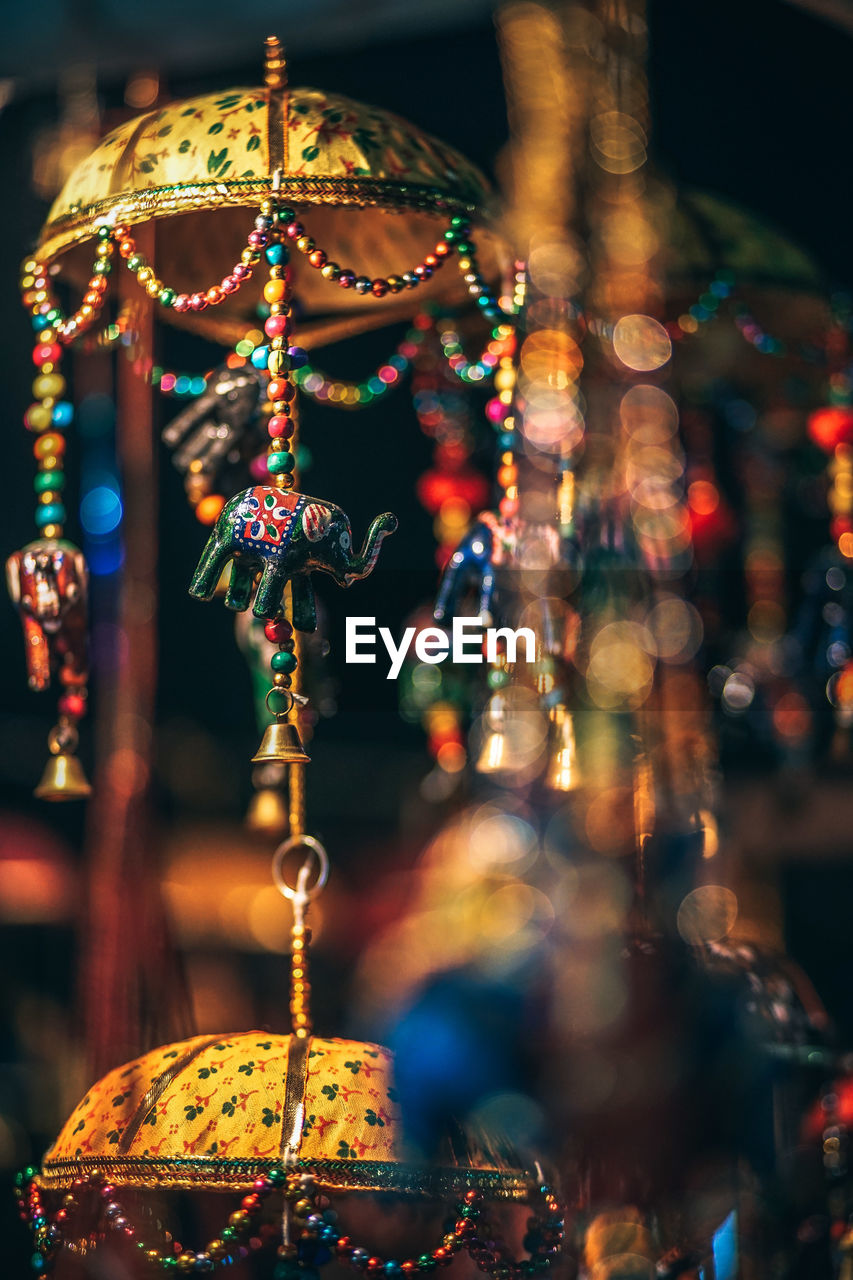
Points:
point(283, 662)
point(280, 463)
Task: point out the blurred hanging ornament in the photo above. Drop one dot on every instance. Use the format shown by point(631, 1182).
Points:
point(285, 1121)
point(348, 166)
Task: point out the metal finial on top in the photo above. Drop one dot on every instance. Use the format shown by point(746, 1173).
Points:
point(275, 64)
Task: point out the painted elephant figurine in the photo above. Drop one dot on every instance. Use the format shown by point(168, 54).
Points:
point(286, 536)
point(493, 543)
point(205, 435)
point(48, 582)
point(472, 565)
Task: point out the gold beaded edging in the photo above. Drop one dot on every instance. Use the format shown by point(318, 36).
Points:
point(156, 202)
point(335, 1175)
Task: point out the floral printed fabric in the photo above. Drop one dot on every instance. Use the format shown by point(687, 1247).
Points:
point(221, 137)
point(226, 1104)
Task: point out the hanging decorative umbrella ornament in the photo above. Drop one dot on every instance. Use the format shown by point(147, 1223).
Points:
point(287, 1122)
point(220, 184)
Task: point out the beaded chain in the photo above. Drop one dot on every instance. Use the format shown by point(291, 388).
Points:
point(49, 415)
point(314, 1241)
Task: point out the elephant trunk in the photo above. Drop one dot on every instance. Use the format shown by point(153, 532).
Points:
point(360, 566)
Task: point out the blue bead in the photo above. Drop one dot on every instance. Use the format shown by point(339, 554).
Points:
point(63, 412)
point(37, 1262)
point(277, 254)
point(53, 513)
point(41, 322)
point(508, 439)
point(392, 1269)
point(298, 357)
point(260, 356)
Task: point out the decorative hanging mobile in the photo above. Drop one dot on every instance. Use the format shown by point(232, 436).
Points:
point(284, 1120)
point(287, 149)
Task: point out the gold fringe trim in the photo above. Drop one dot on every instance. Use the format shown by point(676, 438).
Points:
point(334, 1175)
point(159, 202)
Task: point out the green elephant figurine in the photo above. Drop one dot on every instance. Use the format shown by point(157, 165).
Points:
point(286, 536)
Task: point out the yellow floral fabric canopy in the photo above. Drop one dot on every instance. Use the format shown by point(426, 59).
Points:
point(215, 1112)
point(218, 152)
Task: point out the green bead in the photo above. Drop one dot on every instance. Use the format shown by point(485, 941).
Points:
point(498, 679)
point(49, 480)
point(280, 462)
point(102, 267)
point(277, 1177)
point(283, 661)
point(167, 297)
point(53, 513)
point(426, 1262)
point(459, 220)
point(228, 1233)
point(464, 248)
point(135, 262)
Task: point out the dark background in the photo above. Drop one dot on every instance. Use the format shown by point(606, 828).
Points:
point(752, 102)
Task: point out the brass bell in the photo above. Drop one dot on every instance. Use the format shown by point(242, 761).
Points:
point(267, 812)
point(495, 749)
point(63, 779)
point(281, 742)
point(563, 773)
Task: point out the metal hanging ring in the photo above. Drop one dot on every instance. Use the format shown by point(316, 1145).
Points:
point(283, 712)
point(300, 842)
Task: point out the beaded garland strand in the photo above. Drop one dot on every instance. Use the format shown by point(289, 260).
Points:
point(50, 415)
point(318, 1239)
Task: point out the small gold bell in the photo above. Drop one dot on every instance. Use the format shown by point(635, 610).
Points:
point(267, 812)
point(563, 773)
point(492, 757)
point(63, 779)
point(281, 742)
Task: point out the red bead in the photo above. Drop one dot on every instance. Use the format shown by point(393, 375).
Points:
point(422, 271)
point(127, 247)
point(432, 261)
point(442, 249)
point(277, 388)
point(262, 1185)
point(229, 284)
point(182, 302)
point(47, 352)
point(198, 302)
point(279, 425)
point(251, 1203)
point(346, 279)
point(471, 1197)
point(317, 258)
point(379, 287)
point(276, 326)
point(72, 704)
point(343, 1247)
point(278, 631)
point(374, 1266)
point(214, 295)
point(295, 230)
